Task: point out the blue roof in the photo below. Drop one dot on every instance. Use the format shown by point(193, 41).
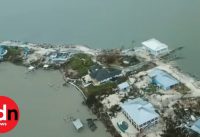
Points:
point(196, 126)
point(26, 49)
point(139, 110)
point(2, 50)
point(163, 79)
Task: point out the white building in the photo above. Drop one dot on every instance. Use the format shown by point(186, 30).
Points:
point(77, 124)
point(124, 87)
point(155, 47)
point(140, 113)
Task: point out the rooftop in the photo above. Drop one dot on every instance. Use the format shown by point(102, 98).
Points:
point(154, 44)
point(196, 126)
point(2, 50)
point(100, 74)
point(123, 85)
point(77, 124)
point(139, 110)
point(163, 78)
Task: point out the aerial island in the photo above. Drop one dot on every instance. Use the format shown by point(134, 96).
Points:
point(135, 92)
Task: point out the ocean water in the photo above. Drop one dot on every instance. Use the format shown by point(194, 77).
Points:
point(44, 104)
point(106, 24)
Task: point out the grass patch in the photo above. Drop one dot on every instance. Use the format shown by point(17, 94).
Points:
point(151, 88)
point(106, 88)
point(14, 55)
point(182, 88)
point(109, 57)
point(79, 63)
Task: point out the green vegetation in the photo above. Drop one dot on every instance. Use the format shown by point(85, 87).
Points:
point(132, 60)
point(109, 57)
point(151, 89)
point(79, 63)
point(93, 102)
point(14, 55)
point(106, 88)
point(182, 88)
point(172, 130)
point(122, 79)
point(114, 58)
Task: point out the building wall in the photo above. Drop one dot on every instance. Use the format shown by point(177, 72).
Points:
point(159, 52)
point(143, 126)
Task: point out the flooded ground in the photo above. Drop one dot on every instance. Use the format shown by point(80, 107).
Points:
point(44, 104)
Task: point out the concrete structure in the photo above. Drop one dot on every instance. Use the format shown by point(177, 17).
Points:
point(140, 113)
point(162, 79)
point(59, 57)
point(155, 47)
point(125, 87)
point(77, 124)
point(196, 127)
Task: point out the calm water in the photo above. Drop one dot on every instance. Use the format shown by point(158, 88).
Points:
point(106, 23)
point(43, 108)
point(99, 24)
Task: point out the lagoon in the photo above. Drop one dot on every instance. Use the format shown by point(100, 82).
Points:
point(44, 104)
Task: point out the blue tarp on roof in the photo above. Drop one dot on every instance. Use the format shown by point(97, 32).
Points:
point(163, 79)
point(196, 126)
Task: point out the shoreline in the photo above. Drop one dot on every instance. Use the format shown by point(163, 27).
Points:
point(42, 51)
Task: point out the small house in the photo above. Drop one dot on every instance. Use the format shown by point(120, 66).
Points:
point(59, 57)
point(155, 47)
point(100, 75)
point(124, 87)
point(162, 79)
point(77, 124)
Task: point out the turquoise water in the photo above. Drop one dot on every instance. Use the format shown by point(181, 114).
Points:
point(106, 23)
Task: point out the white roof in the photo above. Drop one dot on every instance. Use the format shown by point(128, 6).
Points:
point(31, 68)
point(123, 85)
point(139, 110)
point(77, 124)
point(46, 66)
point(154, 44)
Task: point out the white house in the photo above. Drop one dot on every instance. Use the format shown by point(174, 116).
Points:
point(124, 87)
point(155, 47)
point(140, 113)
